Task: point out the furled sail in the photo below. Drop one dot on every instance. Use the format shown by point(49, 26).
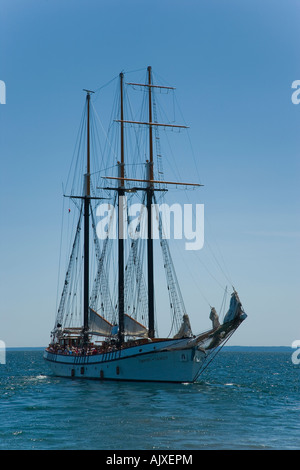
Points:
point(185, 330)
point(214, 318)
point(98, 325)
point(235, 308)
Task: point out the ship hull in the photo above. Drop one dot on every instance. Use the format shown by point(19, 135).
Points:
point(147, 363)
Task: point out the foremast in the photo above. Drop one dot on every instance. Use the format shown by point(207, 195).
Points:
point(121, 193)
point(150, 189)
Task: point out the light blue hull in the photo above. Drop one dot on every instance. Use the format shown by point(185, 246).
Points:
point(159, 361)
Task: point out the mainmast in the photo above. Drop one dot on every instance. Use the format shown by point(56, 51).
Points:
point(87, 191)
point(149, 212)
point(121, 193)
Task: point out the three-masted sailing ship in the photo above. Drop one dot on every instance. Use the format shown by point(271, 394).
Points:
point(112, 335)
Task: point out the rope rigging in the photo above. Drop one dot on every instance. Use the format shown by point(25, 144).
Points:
point(104, 298)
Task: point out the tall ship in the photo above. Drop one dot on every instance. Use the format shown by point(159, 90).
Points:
point(108, 311)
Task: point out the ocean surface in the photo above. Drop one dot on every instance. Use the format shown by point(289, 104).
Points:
point(244, 400)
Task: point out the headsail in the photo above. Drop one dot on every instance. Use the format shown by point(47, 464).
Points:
point(235, 308)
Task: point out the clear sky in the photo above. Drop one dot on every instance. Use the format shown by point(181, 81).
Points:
point(233, 63)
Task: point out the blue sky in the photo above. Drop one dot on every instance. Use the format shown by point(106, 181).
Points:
point(233, 64)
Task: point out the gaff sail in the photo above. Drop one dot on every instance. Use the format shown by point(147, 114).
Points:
point(133, 327)
point(99, 326)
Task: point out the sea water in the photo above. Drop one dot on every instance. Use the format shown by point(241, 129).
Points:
point(244, 400)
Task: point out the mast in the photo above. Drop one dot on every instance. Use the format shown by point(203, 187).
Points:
point(149, 212)
point(120, 225)
point(87, 190)
point(150, 194)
